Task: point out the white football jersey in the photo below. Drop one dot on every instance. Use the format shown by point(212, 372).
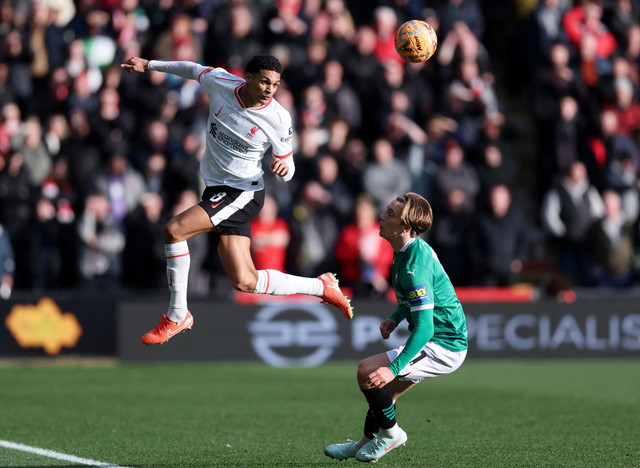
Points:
point(237, 136)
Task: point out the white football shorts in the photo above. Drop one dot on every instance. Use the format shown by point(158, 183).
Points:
point(432, 361)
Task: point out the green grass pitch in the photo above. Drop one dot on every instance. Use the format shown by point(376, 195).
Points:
point(487, 414)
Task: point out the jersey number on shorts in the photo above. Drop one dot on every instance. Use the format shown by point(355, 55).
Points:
point(217, 199)
point(418, 358)
point(218, 196)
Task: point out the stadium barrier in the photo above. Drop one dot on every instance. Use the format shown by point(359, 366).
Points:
point(305, 332)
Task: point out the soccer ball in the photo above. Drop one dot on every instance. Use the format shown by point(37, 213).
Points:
point(416, 41)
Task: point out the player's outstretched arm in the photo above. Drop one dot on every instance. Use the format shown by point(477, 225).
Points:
point(136, 64)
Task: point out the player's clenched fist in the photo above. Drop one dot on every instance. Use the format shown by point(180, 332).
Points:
point(387, 327)
point(279, 167)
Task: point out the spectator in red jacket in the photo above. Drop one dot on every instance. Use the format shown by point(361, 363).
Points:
point(586, 19)
point(270, 238)
point(364, 258)
point(626, 109)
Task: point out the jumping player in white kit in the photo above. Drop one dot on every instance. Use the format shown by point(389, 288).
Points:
point(244, 122)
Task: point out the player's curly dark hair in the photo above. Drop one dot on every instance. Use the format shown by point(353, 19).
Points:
point(263, 62)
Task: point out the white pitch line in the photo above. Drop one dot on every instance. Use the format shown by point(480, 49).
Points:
point(58, 455)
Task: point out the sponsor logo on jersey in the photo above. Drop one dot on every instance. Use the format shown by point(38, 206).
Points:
point(418, 294)
point(226, 140)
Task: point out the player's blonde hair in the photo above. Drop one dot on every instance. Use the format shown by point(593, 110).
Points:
point(416, 213)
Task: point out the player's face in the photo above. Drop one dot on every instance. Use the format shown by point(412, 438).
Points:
point(391, 226)
point(260, 87)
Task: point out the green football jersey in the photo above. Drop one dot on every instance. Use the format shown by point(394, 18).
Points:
point(427, 300)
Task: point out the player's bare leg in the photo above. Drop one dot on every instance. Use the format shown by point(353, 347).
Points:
point(235, 254)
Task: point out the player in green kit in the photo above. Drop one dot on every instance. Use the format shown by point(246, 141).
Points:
point(437, 344)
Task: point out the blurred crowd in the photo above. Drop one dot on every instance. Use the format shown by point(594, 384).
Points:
point(93, 161)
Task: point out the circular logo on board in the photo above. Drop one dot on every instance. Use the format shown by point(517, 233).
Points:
point(294, 334)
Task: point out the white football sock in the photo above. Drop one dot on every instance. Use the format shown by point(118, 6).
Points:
point(390, 433)
point(178, 262)
point(364, 440)
point(276, 283)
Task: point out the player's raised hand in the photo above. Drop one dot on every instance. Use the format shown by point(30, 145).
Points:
point(387, 327)
point(136, 64)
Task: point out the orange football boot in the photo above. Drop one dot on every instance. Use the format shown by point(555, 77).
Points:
point(333, 296)
point(167, 329)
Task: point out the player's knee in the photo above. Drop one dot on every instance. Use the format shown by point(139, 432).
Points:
point(363, 371)
point(172, 232)
point(244, 283)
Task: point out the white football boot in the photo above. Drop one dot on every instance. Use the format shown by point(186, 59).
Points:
point(380, 446)
point(342, 451)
